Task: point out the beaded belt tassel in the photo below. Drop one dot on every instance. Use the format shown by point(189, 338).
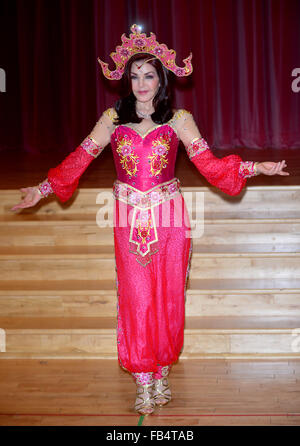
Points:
point(143, 233)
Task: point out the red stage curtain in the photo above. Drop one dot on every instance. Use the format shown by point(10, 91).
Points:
point(244, 52)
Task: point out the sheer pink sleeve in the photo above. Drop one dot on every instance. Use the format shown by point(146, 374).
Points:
point(229, 173)
point(63, 179)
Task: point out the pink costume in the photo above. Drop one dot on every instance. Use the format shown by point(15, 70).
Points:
point(151, 224)
point(152, 251)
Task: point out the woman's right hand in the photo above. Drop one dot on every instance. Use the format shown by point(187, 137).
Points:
point(32, 197)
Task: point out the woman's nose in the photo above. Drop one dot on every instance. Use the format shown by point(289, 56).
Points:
point(141, 82)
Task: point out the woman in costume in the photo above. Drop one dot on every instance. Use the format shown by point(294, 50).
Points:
point(151, 225)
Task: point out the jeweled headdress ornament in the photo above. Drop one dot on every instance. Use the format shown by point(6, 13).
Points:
point(139, 43)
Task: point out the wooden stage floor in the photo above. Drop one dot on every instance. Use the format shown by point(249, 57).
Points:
point(99, 393)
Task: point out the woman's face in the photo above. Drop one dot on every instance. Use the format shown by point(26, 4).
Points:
point(144, 81)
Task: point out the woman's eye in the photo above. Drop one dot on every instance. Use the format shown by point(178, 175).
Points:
point(149, 76)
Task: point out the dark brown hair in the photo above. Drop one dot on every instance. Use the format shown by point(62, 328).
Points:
point(125, 106)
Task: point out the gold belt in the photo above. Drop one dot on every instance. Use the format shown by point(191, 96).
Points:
point(143, 232)
point(150, 198)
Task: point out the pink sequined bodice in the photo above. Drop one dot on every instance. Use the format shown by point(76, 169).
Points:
point(144, 161)
point(147, 161)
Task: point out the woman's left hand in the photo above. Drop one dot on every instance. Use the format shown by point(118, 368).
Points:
point(270, 168)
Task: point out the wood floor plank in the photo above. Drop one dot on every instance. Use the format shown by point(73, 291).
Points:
point(95, 392)
point(191, 323)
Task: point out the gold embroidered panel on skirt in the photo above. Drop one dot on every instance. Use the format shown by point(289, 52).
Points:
point(143, 235)
point(143, 238)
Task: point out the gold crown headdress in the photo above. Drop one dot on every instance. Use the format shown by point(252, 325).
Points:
point(139, 43)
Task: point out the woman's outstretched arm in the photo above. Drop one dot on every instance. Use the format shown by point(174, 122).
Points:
point(63, 179)
point(229, 173)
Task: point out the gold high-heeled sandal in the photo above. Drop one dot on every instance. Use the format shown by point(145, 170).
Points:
point(147, 405)
point(162, 392)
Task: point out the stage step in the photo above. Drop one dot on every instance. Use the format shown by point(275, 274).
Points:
point(57, 300)
point(248, 235)
point(272, 337)
point(254, 202)
point(58, 290)
point(98, 265)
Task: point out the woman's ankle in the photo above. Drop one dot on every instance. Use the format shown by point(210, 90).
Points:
point(163, 371)
point(143, 378)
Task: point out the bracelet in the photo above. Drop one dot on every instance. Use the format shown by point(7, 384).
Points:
point(255, 168)
point(44, 188)
point(248, 169)
point(196, 146)
point(91, 146)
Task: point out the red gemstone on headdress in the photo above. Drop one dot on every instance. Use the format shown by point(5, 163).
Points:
point(139, 42)
point(124, 52)
point(116, 74)
point(180, 72)
point(158, 51)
